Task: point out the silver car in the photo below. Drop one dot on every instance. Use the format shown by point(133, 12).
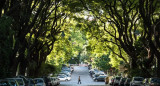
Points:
point(137, 81)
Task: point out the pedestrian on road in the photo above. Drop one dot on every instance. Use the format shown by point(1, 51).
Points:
point(79, 80)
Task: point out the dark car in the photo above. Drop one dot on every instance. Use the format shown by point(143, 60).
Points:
point(121, 82)
point(4, 83)
point(31, 82)
point(153, 82)
point(127, 82)
point(47, 80)
point(100, 78)
point(24, 79)
point(7, 82)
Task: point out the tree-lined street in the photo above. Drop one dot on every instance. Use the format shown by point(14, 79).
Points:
point(42, 38)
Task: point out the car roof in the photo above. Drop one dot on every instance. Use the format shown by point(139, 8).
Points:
point(14, 78)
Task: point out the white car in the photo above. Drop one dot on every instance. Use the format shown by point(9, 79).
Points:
point(68, 78)
point(39, 82)
point(62, 78)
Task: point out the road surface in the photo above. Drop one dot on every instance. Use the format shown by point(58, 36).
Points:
point(85, 78)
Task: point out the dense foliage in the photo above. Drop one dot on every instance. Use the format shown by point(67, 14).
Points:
point(39, 34)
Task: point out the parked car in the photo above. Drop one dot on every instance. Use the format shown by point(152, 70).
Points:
point(95, 75)
point(154, 81)
point(19, 80)
point(50, 81)
point(127, 82)
point(100, 78)
point(53, 81)
point(39, 82)
point(101, 73)
point(24, 79)
point(56, 81)
point(62, 78)
point(66, 75)
point(121, 82)
point(7, 82)
point(47, 80)
point(136, 81)
point(4, 83)
point(116, 80)
point(31, 82)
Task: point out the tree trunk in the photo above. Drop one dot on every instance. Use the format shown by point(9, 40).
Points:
point(22, 68)
point(158, 67)
point(133, 64)
point(13, 68)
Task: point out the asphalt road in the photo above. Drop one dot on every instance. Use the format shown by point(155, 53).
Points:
point(86, 80)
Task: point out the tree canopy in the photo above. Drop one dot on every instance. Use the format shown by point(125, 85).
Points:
point(42, 33)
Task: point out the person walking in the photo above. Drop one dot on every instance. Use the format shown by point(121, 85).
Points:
point(79, 80)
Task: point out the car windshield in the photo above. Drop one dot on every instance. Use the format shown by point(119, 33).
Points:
point(138, 79)
point(39, 81)
point(96, 75)
point(102, 76)
point(20, 82)
point(61, 76)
